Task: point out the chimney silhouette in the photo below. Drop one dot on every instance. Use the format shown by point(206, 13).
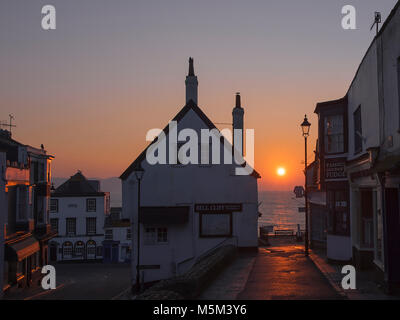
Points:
point(238, 123)
point(191, 84)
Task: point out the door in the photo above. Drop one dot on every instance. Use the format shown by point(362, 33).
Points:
point(53, 252)
point(114, 253)
point(393, 234)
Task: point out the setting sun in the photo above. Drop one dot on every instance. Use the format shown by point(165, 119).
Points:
point(281, 171)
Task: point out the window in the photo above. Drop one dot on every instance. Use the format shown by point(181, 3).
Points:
point(90, 225)
point(334, 138)
point(91, 249)
point(150, 236)
point(338, 216)
point(71, 226)
point(154, 235)
point(358, 139)
point(67, 250)
point(128, 234)
point(90, 205)
point(162, 235)
point(54, 224)
point(215, 224)
point(53, 205)
point(79, 249)
point(109, 234)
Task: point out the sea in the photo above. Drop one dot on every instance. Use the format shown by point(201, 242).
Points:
point(280, 209)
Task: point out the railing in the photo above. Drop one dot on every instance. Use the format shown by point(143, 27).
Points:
point(184, 265)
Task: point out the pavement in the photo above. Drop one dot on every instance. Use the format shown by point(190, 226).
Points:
point(81, 281)
point(366, 286)
point(277, 272)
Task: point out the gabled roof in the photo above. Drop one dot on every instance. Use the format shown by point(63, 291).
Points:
point(190, 105)
point(77, 186)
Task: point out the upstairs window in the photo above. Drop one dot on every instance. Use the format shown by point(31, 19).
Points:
point(54, 224)
point(358, 138)
point(334, 134)
point(71, 226)
point(54, 205)
point(90, 226)
point(128, 234)
point(90, 205)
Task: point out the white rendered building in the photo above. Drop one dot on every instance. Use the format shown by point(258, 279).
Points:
point(77, 211)
point(189, 210)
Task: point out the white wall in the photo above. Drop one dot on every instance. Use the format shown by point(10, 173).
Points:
point(66, 211)
point(169, 185)
point(388, 54)
point(364, 92)
point(120, 234)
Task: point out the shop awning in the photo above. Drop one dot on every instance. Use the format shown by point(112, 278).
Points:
point(22, 249)
point(164, 215)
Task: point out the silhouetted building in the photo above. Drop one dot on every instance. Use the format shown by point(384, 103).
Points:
point(77, 211)
point(26, 226)
point(3, 212)
point(188, 210)
point(359, 140)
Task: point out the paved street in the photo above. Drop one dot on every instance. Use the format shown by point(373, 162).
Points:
point(283, 272)
point(280, 271)
point(82, 281)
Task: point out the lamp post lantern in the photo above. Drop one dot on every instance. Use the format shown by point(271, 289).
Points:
point(305, 127)
point(139, 172)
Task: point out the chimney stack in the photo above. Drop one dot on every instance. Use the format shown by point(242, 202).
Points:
point(191, 83)
point(238, 123)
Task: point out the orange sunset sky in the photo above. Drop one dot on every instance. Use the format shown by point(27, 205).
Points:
point(92, 88)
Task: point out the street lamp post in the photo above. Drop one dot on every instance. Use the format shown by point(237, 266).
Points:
point(305, 127)
point(139, 171)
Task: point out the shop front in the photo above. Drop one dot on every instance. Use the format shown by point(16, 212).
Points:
point(23, 259)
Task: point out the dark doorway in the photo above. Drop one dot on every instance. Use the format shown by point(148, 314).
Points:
point(53, 253)
point(393, 235)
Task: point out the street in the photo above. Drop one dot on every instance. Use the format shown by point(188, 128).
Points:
point(82, 281)
point(283, 272)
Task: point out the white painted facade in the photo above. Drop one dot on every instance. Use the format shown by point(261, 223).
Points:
point(376, 91)
point(83, 244)
point(188, 185)
point(121, 235)
point(117, 244)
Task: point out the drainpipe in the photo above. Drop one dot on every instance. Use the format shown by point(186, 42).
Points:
point(382, 182)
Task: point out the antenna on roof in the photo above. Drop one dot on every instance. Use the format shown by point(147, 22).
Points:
point(9, 125)
point(377, 21)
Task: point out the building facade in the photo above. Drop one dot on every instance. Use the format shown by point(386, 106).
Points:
point(3, 211)
point(117, 244)
point(370, 161)
point(331, 156)
point(27, 177)
point(77, 211)
point(187, 210)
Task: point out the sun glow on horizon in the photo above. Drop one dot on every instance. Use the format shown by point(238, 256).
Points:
point(281, 171)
